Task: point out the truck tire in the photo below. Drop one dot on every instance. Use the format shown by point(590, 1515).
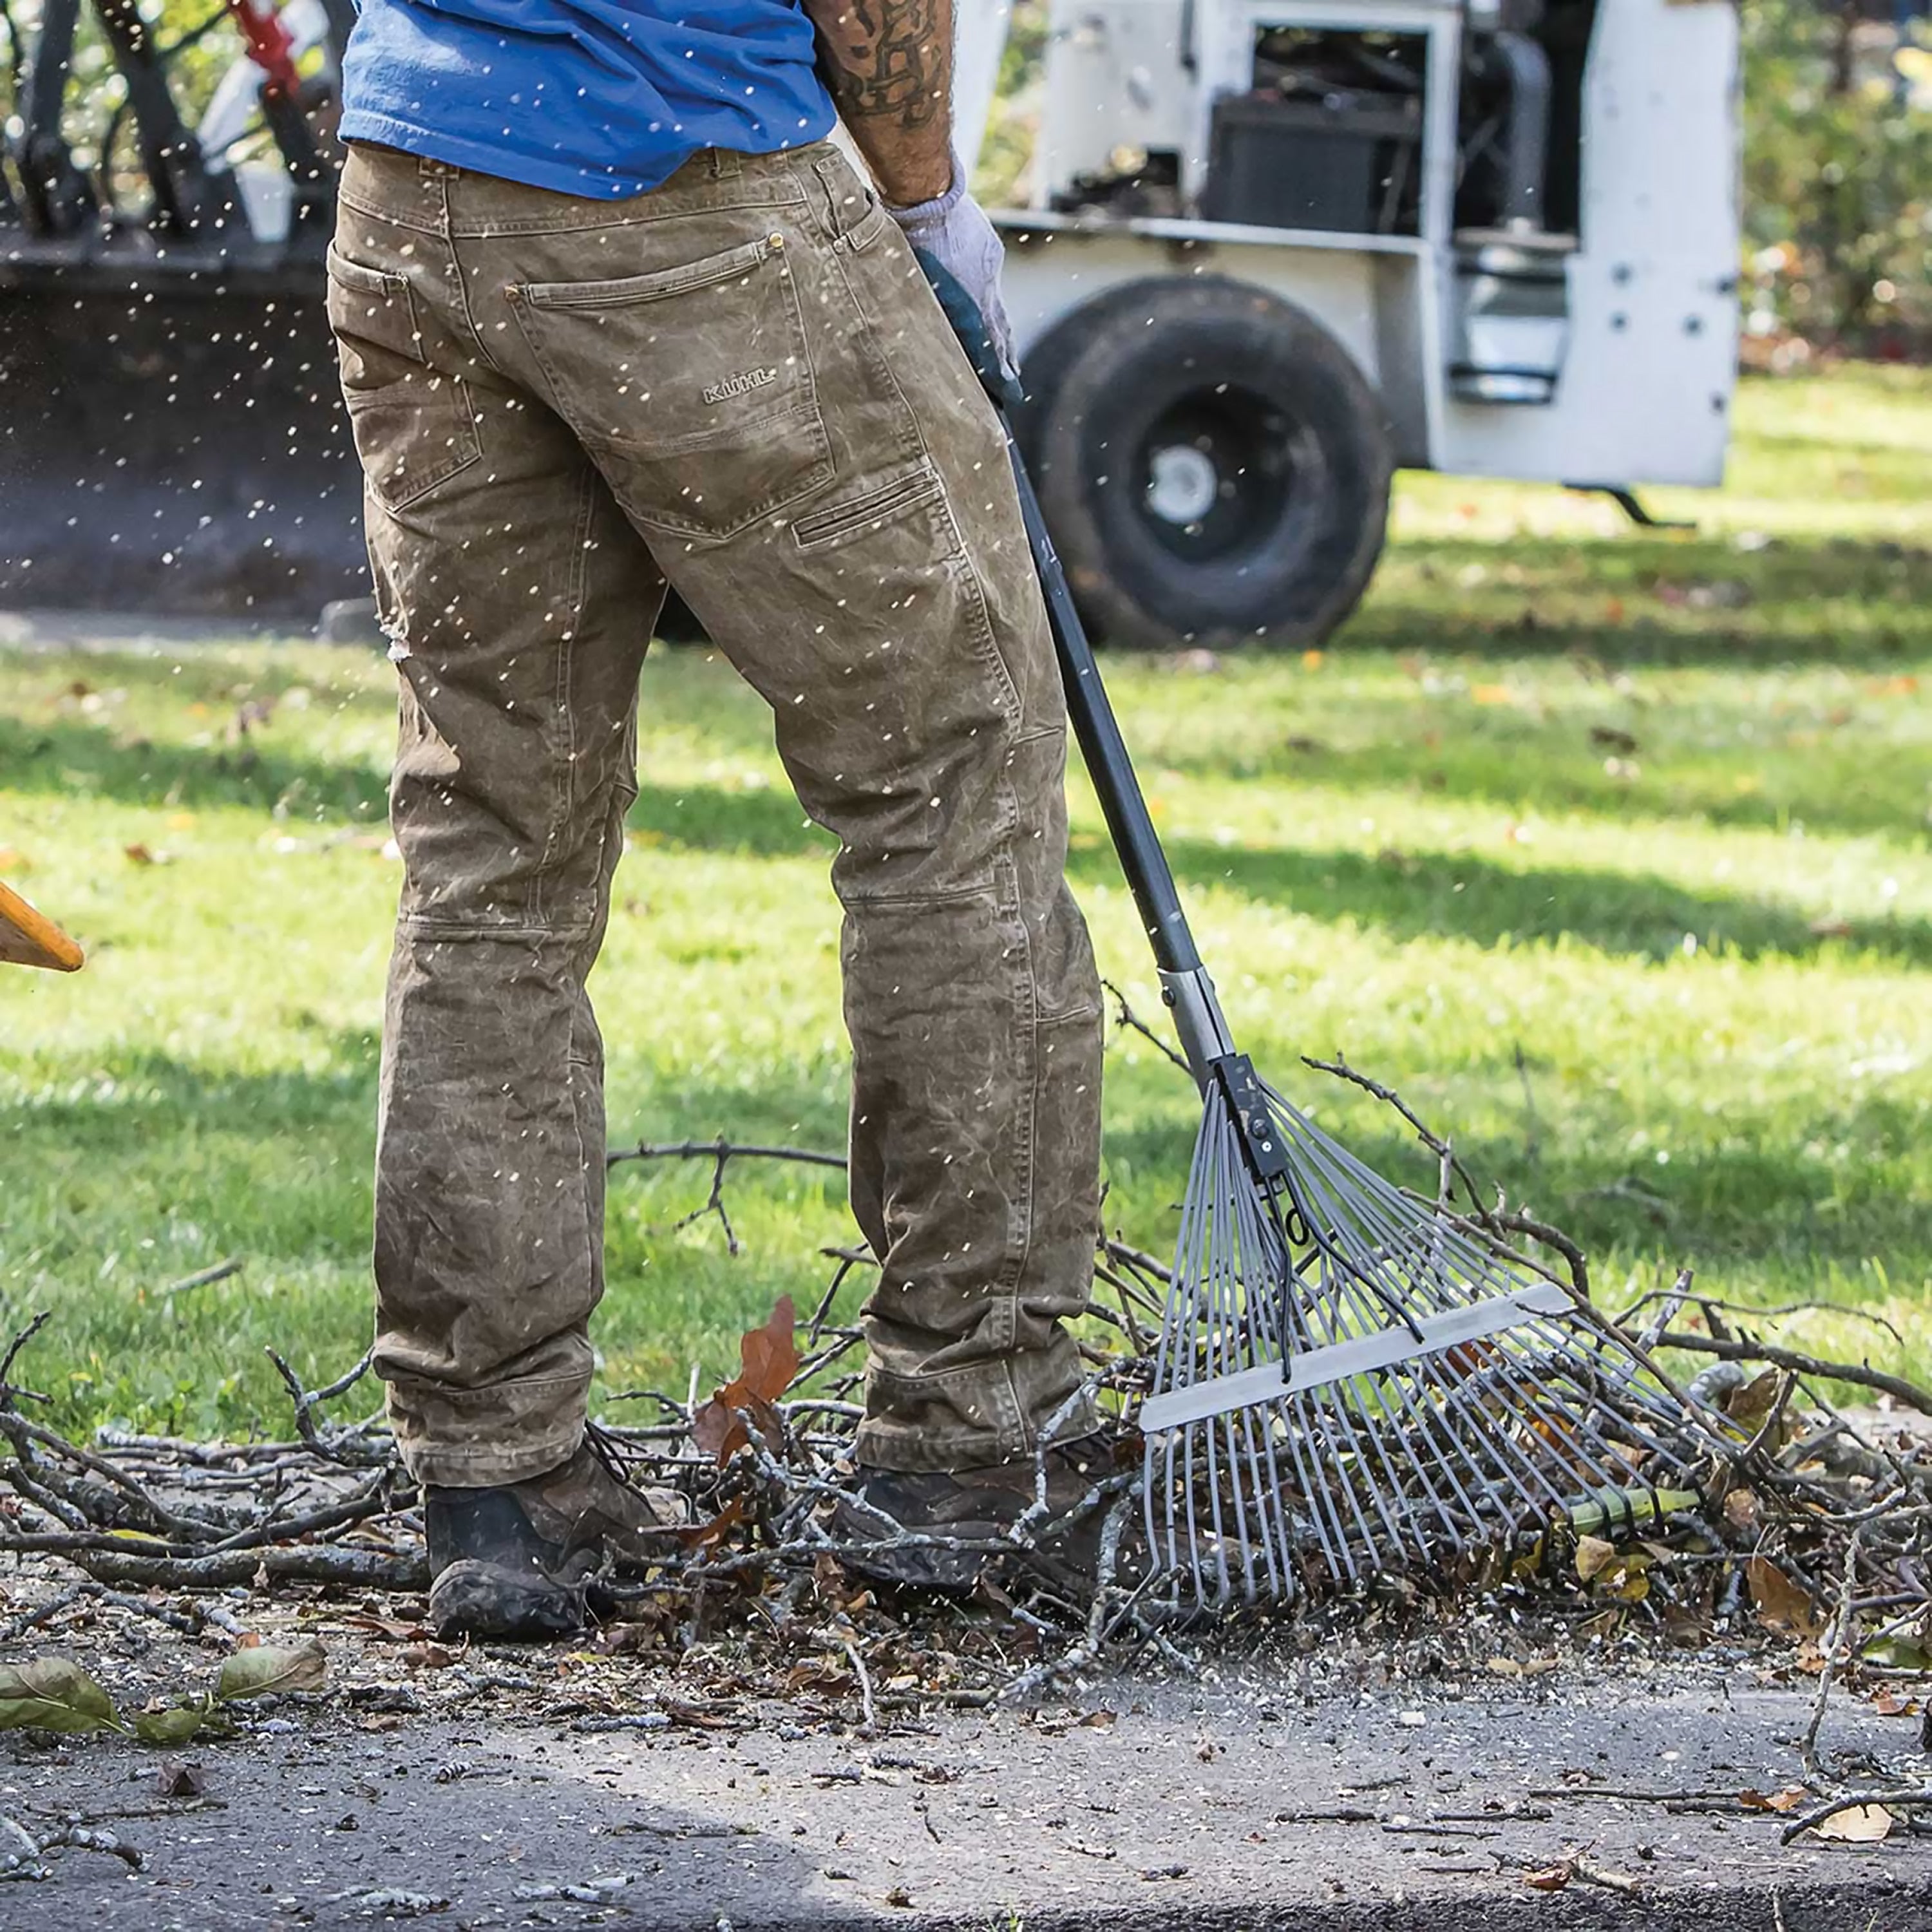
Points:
point(1213, 466)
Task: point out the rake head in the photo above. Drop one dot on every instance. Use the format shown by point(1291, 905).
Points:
point(1353, 1382)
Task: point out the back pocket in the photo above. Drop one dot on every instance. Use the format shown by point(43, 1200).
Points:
point(413, 425)
point(690, 385)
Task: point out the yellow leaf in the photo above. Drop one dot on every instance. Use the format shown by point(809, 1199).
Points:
point(1860, 1825)
point(1492, 694)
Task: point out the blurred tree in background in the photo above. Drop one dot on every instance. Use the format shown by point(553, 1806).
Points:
point(1838, 163)
point(1838, 178)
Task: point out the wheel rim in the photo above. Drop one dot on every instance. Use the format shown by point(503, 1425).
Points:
point(1218, 470)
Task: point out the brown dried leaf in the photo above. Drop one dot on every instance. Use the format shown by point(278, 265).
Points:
point(1551, 1878)
point(1751, 1403)
point(770, 1354)
point(1789, 1799)
point(385, 1627)
point(717, 1429)
point(1780, 1601)
point(1594, 1555)
point(175, 1780)
point(703, 1535)
point(769, 1359)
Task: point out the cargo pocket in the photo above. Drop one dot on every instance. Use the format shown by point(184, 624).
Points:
point(414, 426)
point(691, 386)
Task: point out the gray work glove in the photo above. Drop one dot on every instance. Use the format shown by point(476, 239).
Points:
point(954, 232)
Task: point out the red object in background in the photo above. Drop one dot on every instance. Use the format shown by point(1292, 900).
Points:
point(270, 45)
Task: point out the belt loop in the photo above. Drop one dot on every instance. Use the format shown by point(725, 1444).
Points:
point(724, 163)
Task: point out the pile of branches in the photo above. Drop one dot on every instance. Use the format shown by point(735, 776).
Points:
point(1814, 1520)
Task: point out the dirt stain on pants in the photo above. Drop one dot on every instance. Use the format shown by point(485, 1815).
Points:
point(740, 383)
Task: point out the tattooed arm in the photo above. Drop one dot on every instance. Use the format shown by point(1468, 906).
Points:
point(889, 64)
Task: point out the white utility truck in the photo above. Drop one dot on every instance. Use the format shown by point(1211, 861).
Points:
point(1279, 248)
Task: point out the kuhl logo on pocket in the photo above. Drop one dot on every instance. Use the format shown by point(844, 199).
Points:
point(742, 384)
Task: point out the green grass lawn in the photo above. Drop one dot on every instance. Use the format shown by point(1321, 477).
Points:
point(1613, 849)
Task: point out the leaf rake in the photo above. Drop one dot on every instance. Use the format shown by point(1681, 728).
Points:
point(1346, 1374)
point(1347, 1377)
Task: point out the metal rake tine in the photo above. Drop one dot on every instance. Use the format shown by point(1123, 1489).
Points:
point(1563, 1444)
point(1408, 1396)
point(1457, 1396)
point(1339, 1414)
point(1265, 1490)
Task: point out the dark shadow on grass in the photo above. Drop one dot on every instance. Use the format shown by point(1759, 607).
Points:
point(1435, 896)
point(764, 822)
point(1456, 754)
point(147, 1096)
point(1408, 895)
point(1891, 584)
point(1725, 1212)
point(65, 757)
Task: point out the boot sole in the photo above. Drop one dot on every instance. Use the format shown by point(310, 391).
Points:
point(488, 1599)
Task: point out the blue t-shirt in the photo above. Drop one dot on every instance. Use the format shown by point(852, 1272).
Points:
point(586, 97)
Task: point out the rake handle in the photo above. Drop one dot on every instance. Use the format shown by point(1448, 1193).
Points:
point(1184, 982)
point(1150, 877)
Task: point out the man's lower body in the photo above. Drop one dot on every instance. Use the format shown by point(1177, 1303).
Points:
point(740, 383)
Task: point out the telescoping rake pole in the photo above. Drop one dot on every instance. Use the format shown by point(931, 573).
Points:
point(1346, 1376)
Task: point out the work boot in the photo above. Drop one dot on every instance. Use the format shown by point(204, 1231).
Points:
point(520, 1561)
point(974, 1510)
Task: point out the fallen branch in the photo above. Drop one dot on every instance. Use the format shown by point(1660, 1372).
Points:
point(1774, 1355)
point(1835, 1647)
point(1908, 1798)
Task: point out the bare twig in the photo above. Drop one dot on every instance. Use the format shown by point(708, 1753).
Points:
point(347, 1446)
point(1499, 1224)
point(8, 1392)
point(1836, 1645)
point(721, 1149)
point(1670, 1299)
point(1775, 1355)
point(1127, 1017)
point(864, 1680)
point(1907, 1798)
point(207, 1276)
